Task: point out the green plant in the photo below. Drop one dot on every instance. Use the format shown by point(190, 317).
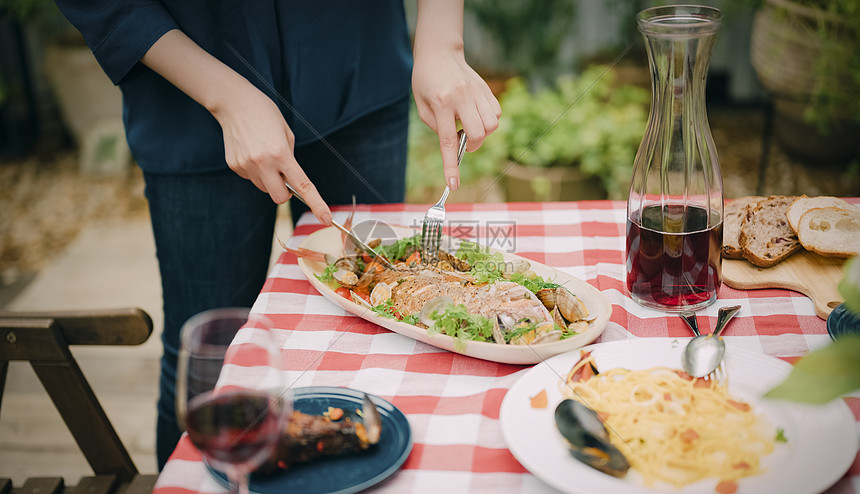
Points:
point(529, 34)
point(583, 121)
point(838, 68)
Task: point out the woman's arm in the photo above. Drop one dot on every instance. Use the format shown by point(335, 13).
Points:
point(446, 89)
point(258, 143)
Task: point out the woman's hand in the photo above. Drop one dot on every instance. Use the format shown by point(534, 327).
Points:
point(258, 143)
point(446, 89)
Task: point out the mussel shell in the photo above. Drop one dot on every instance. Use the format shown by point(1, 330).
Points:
point(587, 438)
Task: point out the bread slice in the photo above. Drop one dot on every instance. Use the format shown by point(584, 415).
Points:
point(830, 231)
point(766, 238)
point(733, 213)
point(803, 204)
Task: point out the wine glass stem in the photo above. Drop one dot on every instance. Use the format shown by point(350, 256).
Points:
point(239, 483)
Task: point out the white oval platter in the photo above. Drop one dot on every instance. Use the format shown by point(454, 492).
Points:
point(328, 240)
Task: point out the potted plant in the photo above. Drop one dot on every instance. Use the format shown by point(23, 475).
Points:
point(805, 54)
point(572, 141)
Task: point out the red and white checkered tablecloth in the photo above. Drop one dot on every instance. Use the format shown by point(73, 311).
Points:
point(452, 401)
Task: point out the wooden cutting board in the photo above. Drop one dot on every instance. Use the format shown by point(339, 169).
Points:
point(806, 272)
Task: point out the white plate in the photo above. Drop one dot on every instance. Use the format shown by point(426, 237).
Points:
point(822, 440)
point(328, 240)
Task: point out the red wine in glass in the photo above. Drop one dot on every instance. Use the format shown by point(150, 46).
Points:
point(233, 429)
point(673, 257)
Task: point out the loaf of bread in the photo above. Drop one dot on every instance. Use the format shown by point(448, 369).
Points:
point(733, 214)
point(830, 231)
point(803, 204)
point(766, 237)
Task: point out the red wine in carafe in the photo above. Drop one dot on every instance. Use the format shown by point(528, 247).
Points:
point(673, 256)
point(235, 428)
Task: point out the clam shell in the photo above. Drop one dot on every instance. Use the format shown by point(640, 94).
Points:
point(381, 292)
point(547, 297)
point(548, 337)
point(516, 266)
point(437, 304)
point(578, 327)
point(372, 420)
point(558, 319)
point(360, 301)
point(347, 264)
point(498, 334)
point(346, 278)
point(570, 306)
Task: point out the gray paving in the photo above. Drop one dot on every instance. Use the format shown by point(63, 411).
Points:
point(109, 265)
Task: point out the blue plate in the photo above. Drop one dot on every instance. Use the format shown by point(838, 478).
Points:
point(842, 321)
point(341, 474)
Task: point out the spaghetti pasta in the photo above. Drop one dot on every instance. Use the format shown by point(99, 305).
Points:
point(672, 427)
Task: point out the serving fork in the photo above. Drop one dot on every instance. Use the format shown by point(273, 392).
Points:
point(348, 232)
point(431, 230)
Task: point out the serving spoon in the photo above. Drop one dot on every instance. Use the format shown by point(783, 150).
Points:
point(704, 353)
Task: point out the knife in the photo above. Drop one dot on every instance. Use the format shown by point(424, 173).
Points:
point(357, 241)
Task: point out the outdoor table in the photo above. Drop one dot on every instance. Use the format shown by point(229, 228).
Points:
point(452, 401)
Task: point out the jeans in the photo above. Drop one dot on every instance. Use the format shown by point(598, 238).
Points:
point(213, 231)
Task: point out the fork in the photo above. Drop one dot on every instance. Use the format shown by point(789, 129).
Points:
point(431, 230)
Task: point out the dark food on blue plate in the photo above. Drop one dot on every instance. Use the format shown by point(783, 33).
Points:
point(311, 437)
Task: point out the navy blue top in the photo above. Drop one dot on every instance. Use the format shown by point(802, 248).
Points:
point(333, 61)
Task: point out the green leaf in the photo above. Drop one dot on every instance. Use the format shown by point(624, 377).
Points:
point(534, 283)
point(400, 249)
point(486, 266)
point(456, 322)
point(824, 374)
point(849, 286)
point(780, 436)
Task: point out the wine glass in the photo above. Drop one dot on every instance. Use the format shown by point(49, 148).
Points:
point(233, 413)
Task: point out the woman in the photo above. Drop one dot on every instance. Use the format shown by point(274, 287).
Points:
point(225, 101)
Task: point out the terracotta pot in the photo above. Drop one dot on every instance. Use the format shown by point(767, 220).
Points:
point(805, 141)
point(564, 183)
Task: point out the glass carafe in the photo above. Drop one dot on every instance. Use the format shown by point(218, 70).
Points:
point(675, 206)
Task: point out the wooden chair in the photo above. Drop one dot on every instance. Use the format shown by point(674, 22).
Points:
point(43, 339)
